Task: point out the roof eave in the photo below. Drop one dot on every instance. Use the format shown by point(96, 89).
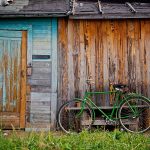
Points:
point(112, 16)
point(32, 14)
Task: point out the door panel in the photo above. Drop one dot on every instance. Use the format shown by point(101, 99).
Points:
point(10, 77)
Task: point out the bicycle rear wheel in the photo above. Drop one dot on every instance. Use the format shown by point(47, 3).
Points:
point(71, 118)
point(134, 115)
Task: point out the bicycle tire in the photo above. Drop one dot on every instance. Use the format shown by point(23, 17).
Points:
point(69, 118)
point(134, 114)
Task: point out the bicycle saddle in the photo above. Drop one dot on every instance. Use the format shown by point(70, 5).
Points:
point(120, 86)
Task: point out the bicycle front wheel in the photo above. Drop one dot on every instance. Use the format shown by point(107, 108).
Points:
point(134, 115)
point(72, 118)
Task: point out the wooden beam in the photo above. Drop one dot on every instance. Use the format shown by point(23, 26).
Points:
point(23, 79)
point(131, 7)
point(73, 7)
point(70, 11)
point(100, 7)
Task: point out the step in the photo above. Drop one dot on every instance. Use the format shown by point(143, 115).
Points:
point(103, 122)
point(102, 107)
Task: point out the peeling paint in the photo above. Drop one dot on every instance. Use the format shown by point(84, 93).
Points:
point(10, 68)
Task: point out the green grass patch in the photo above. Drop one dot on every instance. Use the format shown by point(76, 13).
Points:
point(97, 140)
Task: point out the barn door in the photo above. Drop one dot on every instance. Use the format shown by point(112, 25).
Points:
point(12, 78)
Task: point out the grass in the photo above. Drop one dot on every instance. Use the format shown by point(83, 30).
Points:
point(97, 140)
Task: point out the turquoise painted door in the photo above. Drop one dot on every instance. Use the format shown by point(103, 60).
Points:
point(42, 71)
point(10, 78)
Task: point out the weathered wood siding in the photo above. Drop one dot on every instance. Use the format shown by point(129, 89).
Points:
point(108, 50)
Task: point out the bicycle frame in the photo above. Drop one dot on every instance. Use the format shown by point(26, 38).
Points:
point(119, 96)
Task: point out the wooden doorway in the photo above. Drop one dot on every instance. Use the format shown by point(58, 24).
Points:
point(13, 60)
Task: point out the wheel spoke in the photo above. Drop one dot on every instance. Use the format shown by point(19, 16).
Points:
point(134, 115)
point(72, 118)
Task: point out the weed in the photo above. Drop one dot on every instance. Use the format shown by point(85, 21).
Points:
point(95, 140)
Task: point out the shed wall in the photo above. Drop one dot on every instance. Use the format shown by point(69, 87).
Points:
point(115, 51)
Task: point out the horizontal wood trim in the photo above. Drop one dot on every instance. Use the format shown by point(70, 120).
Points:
point(9, 120)
point(39, 110)
point(41, 70)
point(39, 82)
point(37, 96)
point(110, 16)
point(42, 89)
point(40, 118)
point(103, 122)
point(41, 104)
point(41, 64)
point(38, 126)
point(40, 76)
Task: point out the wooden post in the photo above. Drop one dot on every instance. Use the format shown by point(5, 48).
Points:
point(23, 79)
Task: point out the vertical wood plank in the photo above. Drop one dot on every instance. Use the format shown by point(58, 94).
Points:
point(124, 61)
point(106, 34)
point(131, 55)
point(101, 62)
point(142, 47)
point(17, 76)
point(147, 59)
point(71, 88)
point(23, 79)
point(54, 74)
point(147, 43)
point(62, 61)
point(54, 55)
point(92, 50)
point(7, 74)
point(1, 74)
point(138, 55)
point(5, 83)
point(82, 68)
point(112, 48)
point(118, 53)
point(112, 54)
point(29, 46)
point(76, 57)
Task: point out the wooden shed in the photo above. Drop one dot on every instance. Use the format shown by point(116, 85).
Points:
point(49, 48)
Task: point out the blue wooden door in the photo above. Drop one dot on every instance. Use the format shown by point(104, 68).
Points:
point(42, 70)
point(11, 46)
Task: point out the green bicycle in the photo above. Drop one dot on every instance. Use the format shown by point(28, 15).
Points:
point(130, 110)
